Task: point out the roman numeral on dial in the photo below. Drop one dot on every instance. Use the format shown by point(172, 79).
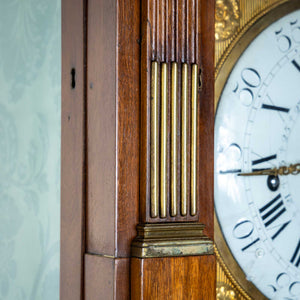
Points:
point(271, 212)
point(262, 160)
point(276, 108)
point(295, 260)
point(296, 65)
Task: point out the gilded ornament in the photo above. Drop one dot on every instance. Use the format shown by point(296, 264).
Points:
point(227, 19)
point(225, 292)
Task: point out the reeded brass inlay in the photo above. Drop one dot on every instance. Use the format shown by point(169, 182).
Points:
point(163, 152)
point(194, 141)
point(154, 142)
point(173, 140)
point(184, 128)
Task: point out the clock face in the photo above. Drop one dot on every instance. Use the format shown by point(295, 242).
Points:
point(257, 128)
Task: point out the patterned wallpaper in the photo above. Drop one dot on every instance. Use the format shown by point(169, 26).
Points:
point(30, 88)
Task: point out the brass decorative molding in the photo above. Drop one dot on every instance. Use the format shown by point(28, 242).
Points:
point(227, 286)
point(172, 239)
point(173, 157)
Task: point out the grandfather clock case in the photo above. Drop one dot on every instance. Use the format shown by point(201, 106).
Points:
point(137, 149)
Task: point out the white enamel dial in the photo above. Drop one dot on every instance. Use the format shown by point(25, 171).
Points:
point(257, 126)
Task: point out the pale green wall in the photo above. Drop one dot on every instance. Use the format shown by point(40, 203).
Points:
point(30, 88)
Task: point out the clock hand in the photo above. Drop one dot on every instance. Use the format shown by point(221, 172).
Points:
point(293, 169)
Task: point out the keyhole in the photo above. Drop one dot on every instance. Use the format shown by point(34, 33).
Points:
point(73, 78)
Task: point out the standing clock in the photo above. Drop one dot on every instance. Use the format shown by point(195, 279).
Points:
point(257, 155)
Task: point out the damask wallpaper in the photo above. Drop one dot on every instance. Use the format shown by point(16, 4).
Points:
point(30, 88)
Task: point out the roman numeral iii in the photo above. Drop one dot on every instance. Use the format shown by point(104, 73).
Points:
point(272, 210)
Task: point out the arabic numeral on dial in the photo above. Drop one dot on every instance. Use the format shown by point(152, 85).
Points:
point(284, 43)
point(246, 96)
point(285, 40)
point(244, 230)
point(250, 80)
point(251, 77)
point(229, 159)
point(296, 34)
point(294, 289)
point(284, 283)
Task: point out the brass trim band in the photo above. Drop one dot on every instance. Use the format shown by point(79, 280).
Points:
point(171, 239)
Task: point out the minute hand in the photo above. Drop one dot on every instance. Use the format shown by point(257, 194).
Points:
point(293, 169)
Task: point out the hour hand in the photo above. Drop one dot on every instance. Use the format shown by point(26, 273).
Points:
point(293, 169)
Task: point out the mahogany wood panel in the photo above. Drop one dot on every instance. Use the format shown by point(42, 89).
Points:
point(206, 124)
point(113, 125)
point(128, 123)
point(101, 76)
point(72, 150)
point(179, 31)
point(106, 278)
point(173, 278)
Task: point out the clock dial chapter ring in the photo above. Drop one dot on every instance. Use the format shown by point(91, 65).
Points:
point(257, 227)
point(278, 212)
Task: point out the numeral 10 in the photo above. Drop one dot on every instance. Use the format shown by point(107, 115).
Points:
point(244, 230)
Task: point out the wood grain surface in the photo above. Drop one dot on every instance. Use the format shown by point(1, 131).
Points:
point(173, 278)
point(101, 114)
point(206, 125)
point(106, 278)
point(113, 126)
point(105, 144)
point(72, 150)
